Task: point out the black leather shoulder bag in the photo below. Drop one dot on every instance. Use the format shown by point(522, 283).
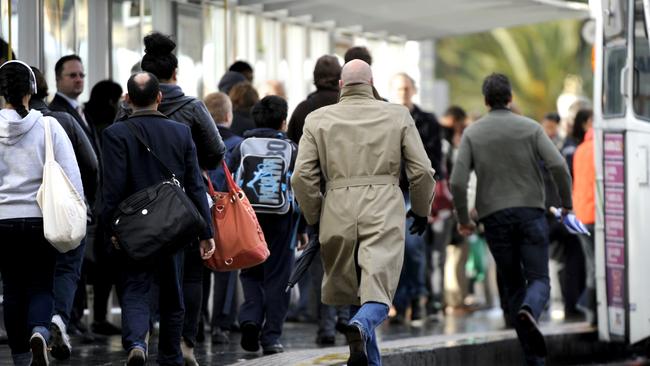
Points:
point(158, 219)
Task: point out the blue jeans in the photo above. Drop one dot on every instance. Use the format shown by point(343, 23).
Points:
point(369, 317)
point(66, 276)
point(139, 295)
point(412, 281)
point(518, 240)
point(27, 263)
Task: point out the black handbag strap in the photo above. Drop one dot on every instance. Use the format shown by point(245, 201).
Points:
point(135, 133)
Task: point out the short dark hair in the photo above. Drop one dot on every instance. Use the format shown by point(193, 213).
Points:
point(456, 112)
point(497, 90)
point(241, 67)
point(143, 94)
point(552, 116)
point(327, 72)
point(358, 53)
point(158, 58)
point(41, 84)
point(270, 112)
point(58, 67)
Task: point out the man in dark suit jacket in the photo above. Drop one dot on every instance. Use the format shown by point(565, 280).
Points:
point(70, 76)
point(129, 168)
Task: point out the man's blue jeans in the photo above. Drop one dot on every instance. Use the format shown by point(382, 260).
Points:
point(66, 276)
point(138, 295)
point(368, 317)
point(518, 240)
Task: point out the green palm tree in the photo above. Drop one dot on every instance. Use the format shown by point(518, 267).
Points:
point(536, 58)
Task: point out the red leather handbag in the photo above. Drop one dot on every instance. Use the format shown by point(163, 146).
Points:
point(239, 240)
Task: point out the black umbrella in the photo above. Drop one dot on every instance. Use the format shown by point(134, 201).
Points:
point(304, 261)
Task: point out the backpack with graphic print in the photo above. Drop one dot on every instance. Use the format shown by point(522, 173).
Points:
point(264, 174)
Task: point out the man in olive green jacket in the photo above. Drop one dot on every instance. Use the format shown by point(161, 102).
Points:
point(358, 146)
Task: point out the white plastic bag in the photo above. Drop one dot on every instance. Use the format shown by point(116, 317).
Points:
point(64, 210)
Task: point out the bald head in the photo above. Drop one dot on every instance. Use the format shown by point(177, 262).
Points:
point(356, 72)
point(143, 90)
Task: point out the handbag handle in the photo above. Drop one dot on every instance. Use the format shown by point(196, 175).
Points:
point(160, 162)
point(49, 148)
point(232, 187)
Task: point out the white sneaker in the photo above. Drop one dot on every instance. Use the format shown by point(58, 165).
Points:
point(60, 342)
point(39, 350)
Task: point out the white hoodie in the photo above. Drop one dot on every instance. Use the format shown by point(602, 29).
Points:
point(22, 155)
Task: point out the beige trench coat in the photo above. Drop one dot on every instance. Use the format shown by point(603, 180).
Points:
point(357, 145)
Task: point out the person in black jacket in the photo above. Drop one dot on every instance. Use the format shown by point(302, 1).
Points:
point(326, 79)
point(67, 273)
point(412, 285)
point(130, 168)
point(210, 149)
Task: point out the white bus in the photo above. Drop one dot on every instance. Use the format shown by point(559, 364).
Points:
point(622, 126)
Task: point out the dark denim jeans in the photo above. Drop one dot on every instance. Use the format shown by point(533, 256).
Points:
point(265, 300)
point(139, 297)
point(27, 263)
point(192, 292)
point(518, 240)
point(66, 277)
point(412, 283)
point(369, 316)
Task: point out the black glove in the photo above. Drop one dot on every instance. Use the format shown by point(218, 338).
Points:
point(419, 224)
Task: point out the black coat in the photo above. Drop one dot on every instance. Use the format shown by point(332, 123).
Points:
point(242, 122)
point(61, 105)
point(193, 113)
point(83, 149)
point(129, 167)
point(315, 100)
point(429, 129)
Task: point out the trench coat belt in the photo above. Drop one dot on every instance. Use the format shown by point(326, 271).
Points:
point(362, 181)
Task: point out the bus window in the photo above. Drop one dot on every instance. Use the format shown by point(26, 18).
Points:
point(641, 97)
point(615, 56)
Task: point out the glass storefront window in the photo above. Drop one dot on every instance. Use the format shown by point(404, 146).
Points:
point(65, 31)
point(4, 28)
point(132, 20)
point(189, 49)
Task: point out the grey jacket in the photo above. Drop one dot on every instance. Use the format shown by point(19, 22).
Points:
point(505, 150)
point(22, 155)
point(190, 111)
point(83, 150)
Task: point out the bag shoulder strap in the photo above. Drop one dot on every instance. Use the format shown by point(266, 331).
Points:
point(160, 162)
point(49, 144)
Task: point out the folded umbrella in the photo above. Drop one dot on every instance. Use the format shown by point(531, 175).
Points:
point(570, 222)
point(304, 261)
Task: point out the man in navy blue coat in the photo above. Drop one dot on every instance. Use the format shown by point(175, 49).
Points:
point(129, 167)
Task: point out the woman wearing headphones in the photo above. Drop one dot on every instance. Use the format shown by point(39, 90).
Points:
point(26, 258)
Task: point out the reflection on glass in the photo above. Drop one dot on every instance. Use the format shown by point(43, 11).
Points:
point(641, 98)
point(189, 43)
point(131, 22)
point(65, 31)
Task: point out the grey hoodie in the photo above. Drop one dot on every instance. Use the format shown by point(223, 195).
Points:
point(22, 155)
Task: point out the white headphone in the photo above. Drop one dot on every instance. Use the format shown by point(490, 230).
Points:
point(32, 78)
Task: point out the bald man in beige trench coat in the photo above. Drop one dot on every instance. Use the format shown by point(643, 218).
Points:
point(358, 146)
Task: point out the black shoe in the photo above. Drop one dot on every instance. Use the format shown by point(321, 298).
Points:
point(39, 350)
point(250, 337)
point(357, 343)
point(325, 340)
point(59, 340)
point(105, 328)
point(273, 349)
point(533, 336)
point(220, 336)
point(341, 326)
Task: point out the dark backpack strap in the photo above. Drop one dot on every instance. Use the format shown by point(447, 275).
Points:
point(180, 106)
point(135, 133)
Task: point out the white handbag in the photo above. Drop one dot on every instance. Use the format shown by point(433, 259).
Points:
point(64, 210)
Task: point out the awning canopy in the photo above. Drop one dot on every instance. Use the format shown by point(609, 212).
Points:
point(424, 19)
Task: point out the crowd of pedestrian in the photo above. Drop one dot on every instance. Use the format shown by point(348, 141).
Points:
point(402, 205)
